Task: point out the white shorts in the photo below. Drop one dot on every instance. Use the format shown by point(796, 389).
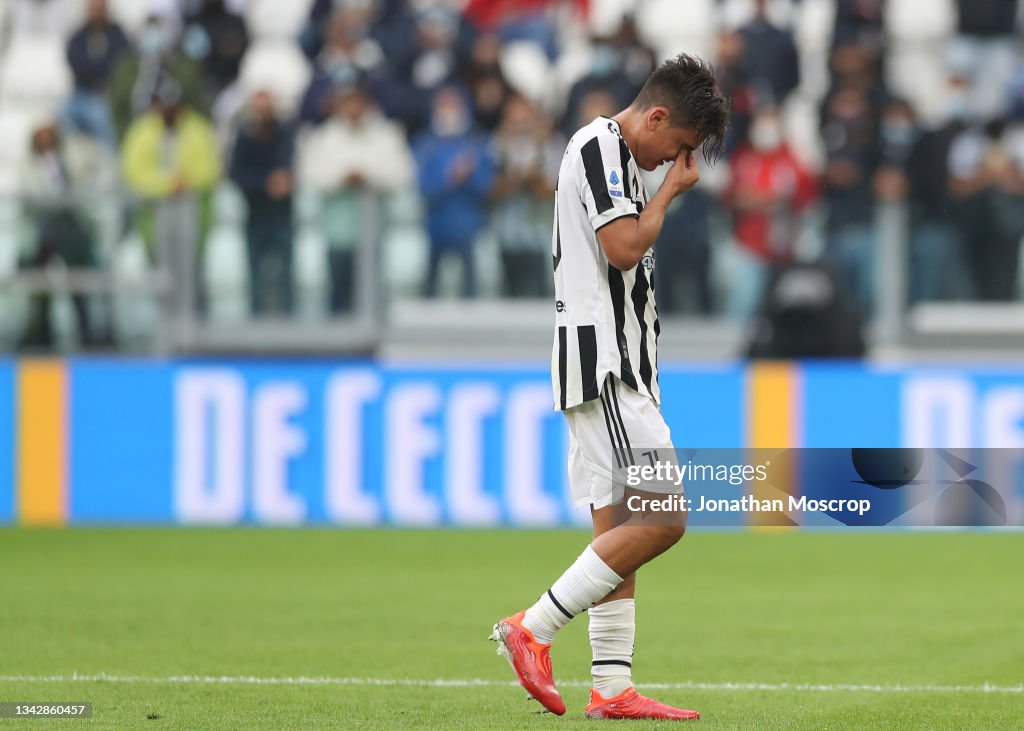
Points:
point(619, 429)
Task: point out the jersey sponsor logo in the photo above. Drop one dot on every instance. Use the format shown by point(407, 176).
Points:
point(648, 261)
point(560, 306)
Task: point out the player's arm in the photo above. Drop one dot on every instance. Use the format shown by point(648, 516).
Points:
point(626, 239)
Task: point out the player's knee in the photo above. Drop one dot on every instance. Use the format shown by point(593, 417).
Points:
point(669, 535)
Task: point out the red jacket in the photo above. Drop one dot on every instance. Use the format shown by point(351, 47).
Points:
point(487, 14)
point(778, 178)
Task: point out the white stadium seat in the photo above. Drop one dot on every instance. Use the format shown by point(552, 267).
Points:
point(606, 15)
point(34, 72)
point(667, 24)
point(279, 67)
point(527, 69)
point(277, 19)
point(43, 17)
point(913, 20)
point(917, 72)
point(813, 23)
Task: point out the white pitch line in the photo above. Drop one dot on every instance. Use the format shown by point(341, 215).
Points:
point(482, 682)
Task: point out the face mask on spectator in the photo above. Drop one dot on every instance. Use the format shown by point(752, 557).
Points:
point(766, 134)
point(604, 61)
point(450, 122)
point(196, 43)
point(898, 133)
point(154, 40)
point(958, 107)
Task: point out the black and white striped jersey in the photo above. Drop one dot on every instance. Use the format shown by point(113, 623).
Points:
point(605, 319)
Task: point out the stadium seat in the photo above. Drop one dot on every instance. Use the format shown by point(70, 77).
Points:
point(224, 262)
point(12, 304)
point(135, 316)
point(667, 24)
point(916, 72)
point(34, 72)
point(309, 272)
point(605, 16)
point(813, 21)
point(405, 248)
point(526, 67)
point(275, 19)
point(15, 134)
point(129, 14)
point(913, 20)
point(800, 114)
point(279, 67)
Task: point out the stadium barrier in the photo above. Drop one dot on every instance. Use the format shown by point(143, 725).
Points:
point(361, 443)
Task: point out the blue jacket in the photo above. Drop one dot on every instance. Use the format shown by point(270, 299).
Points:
point(456, 212)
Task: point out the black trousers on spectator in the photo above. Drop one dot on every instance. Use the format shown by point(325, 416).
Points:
point(61, 235)
point(991, 224)
point(342, 272)
point(466, 254)
point(683, 256)
point(269, 240)
point(524, 273)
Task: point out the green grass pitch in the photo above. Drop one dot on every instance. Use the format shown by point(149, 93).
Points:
point(917, 621)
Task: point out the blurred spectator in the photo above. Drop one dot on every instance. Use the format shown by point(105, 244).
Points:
point(438, 47)
point(851, 149)
point(311, 39)
point(770, 57)
point(914, 169)
point(638, 60)
point(683, 248)
point(987, 186)
point(157, 57)
point(92, 52)
point(606, 74)
point(347, 56)
point(527, 157)
point(860, 23)
point(171, 161)
point(58, 180)
point(768, 190)
point(261, 166)
point(592, 105)
point(356, 154)
point(986, 51)
point(219, 38)
point(852, 68)
point(731, 72)
point(487, 85)
point(455, 176)
point(519, 20)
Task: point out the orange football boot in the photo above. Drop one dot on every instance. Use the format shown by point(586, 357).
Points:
point(530, 659)
point(630, 704)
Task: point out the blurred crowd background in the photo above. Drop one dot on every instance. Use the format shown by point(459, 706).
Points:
point(238, 160)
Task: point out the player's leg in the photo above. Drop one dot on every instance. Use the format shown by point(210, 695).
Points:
point(612, 634)
point(613, 619)
point(612, 626)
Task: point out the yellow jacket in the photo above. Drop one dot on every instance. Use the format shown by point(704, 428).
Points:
point(195, 163)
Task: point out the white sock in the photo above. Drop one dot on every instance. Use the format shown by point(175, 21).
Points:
point(587, 581)
point(612, 629)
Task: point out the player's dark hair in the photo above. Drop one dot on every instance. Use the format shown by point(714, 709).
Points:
point(686, 86)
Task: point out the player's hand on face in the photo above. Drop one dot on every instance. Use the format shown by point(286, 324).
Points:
point(684, 173)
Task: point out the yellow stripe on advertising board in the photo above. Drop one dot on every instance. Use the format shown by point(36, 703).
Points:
point(773, 422)
point(41, 476)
